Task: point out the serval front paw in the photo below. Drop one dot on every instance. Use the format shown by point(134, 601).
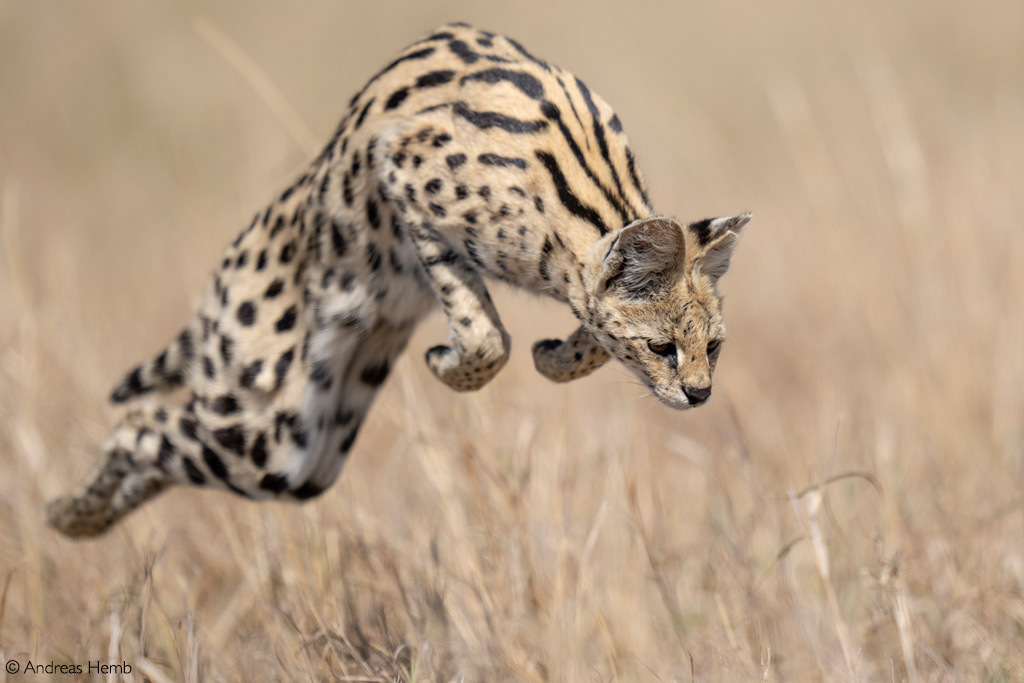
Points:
point(468, 369)
point(563, 361)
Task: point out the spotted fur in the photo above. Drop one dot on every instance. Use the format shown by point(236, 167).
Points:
point(463, 159)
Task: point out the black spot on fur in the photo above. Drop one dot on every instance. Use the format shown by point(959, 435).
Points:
point(227, 345)
point(287, 319)
point(373, 256)
point(232, 438)
point(372, 214)
point(247, 313)
point(545, 257)
point(274, 289)
point(445, 257)
point(346, 189)
point(250, 373)
point(275, 483)
point(307, 491)
point(374, 375)
point(278, 227)
point(434, 79)
point(396, 264)
point(280, 419)
point(338, 240)
point(299, 436)
point(396, 99)
point(166, 452)
point(188, 426)
point(214, 462)
point(132, 386)
point(321, 374)
point(455, 160)
point(463, 52)
point(346, 445)
point(225, 405)
point(282, 365)
point(549, 344)
point(160, 363)
point(194, 474)
point(288, 252)
point(185, 345)
point(258, 453)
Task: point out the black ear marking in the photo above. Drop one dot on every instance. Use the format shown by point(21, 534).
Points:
point(708, 230)
point(717, 237)
point(702, 231)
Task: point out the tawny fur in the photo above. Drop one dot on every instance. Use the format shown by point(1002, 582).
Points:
point(463, 159)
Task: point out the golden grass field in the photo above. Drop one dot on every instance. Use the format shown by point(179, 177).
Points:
point(848, 507)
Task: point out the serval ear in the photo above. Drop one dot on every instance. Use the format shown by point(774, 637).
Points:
point(715, 239)
point(643, 254)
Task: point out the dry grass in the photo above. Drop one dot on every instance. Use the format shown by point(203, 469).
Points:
point(848, 507)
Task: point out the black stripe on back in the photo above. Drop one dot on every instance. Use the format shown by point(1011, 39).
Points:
point(363, 113)
point(396, 98)
point(631, 166)
point(443, 35)
point(572, 106)
point(551, 111)
point(567, 196)
point(522, 50)
point(419, 54)
point(602, 143)
point(527, 84)
point(435, 78)
point(463, 51)
point(492, 119)
point(498, 160)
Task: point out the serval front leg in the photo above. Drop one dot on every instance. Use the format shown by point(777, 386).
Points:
point(563, 361)
point(479, 344)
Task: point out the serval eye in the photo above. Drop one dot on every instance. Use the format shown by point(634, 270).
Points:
point(662, 348)
point(713, 346)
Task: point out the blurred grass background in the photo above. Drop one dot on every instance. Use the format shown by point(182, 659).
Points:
point(848, 506)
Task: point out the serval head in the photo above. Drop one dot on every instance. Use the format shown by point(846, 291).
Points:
point(652, 301)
